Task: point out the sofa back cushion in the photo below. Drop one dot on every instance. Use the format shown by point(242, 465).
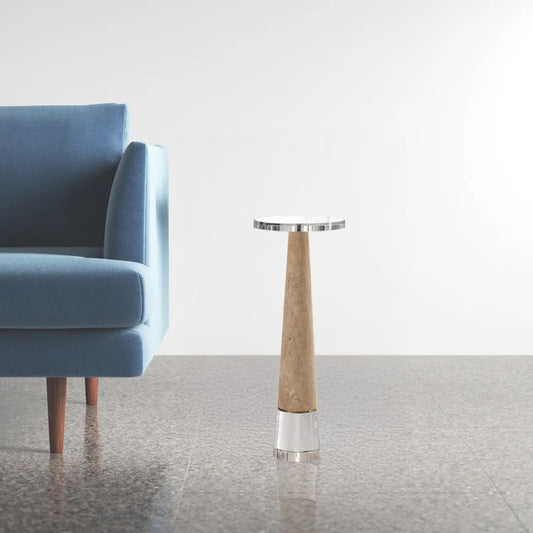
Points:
point(57, 165)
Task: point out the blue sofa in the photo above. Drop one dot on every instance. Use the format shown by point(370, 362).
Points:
point(83, 249)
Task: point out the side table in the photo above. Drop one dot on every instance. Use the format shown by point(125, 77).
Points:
point(297, 437)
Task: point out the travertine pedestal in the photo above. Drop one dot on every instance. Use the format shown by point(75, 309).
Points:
point(297, 437)
point(297, 431)
point(297, 378)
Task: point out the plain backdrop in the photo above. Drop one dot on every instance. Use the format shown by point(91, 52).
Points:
point(411, 118)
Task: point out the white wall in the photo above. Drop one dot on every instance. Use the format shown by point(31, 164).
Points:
point(412, 118)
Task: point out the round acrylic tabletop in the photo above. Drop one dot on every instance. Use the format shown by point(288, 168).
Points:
point(296, 223)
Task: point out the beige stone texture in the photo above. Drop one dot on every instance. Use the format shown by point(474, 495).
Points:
point(297, 378)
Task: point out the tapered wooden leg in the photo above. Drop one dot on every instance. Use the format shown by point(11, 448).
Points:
point(91, 391)
point(56, 389)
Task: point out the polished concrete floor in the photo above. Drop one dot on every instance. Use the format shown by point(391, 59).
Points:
point(430, 444)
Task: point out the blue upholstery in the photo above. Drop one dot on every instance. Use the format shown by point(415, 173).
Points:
point(44, 291)
point(57, 165)
point(75, 352)
point(138, 206)
point(82, 251)
point(83, 243)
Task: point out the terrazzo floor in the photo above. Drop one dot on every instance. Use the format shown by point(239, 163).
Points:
point(407, 444)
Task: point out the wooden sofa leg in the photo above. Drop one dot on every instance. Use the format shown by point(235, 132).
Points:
point(91, 391)
point(56, 389)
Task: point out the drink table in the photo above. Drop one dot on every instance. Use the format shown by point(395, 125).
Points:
point(297, 437)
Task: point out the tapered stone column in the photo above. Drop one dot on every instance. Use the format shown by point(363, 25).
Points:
point(297, 376)
point(297, 438)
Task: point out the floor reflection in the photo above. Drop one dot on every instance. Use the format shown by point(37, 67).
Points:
point(104, 490)
point(56, 473)
point(57, 487)
point(91, 441)
point(297, 484)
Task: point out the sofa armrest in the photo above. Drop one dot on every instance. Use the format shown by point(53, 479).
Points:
point(136, 227)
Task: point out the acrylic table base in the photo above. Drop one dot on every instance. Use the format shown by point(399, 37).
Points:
point(297, 438)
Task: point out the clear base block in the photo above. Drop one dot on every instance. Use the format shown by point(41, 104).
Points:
point(297, 439)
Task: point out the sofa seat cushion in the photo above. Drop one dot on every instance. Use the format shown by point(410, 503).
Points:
point(48, 291)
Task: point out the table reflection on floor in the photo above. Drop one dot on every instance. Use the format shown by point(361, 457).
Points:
point(297, 486)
